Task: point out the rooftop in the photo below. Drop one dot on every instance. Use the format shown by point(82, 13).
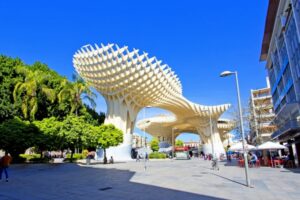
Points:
point(269, 25)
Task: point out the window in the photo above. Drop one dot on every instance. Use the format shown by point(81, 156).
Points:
point(272, 76)
point(283, 57)
point(280, 86)
point(287, 74)
point(277, 109)
point(296, 4)
point(275, 61)
point(291, 95)
point(283, 102)
point(275, 96)
point(293, 42)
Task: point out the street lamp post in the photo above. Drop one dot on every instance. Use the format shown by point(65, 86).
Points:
point(144, 143)
point(211, 135)
point(228, 73)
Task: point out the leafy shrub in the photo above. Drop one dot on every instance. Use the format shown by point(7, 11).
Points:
point(30, 157)
point(76, 156)
point(157, 155)
point(85, 153)
point(33, 158)
point(154, 144)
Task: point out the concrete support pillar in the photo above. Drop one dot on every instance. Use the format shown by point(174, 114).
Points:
point(213, 141)
point(216, 140)
point(123, 117)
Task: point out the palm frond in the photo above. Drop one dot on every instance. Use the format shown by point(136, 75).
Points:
point(24, 108)
point(50, 93)
point(34, 107)
point(91, 101)
point(16, 91)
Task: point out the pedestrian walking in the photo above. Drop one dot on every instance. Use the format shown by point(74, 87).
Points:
point(4, 163)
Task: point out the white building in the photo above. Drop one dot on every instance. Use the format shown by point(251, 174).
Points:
point(261, 115)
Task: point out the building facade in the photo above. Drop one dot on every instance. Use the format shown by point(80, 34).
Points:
point(138, 141)
point(281, 51)
point(261, 115)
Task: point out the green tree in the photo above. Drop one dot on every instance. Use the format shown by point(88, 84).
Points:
point(17, 135)
point(74, 92)
point(91, 114)
point(46, 107)
point(28, 90)
point(75, 131)
point(154, 144)
point(8, 78)
point(179, 143)
point(51, 138)
point(107, 135)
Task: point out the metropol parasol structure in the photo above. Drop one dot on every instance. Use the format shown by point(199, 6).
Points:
point(130, 81)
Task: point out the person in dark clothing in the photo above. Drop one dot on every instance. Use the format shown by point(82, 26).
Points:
point(4, 163)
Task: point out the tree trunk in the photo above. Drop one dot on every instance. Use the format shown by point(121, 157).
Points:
point(105, 158)
point(41, 155)
point(72, 153)
point(15, 157)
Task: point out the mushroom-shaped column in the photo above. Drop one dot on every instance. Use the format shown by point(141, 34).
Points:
point(128, 81)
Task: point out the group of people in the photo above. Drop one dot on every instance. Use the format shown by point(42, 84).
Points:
point(251, 157)
point(4, 163)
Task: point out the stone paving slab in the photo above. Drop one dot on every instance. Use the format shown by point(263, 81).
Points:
point(167, 179)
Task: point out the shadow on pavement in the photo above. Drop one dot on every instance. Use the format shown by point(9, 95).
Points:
point(294, 170)
point(228, 179)
point(71, 181)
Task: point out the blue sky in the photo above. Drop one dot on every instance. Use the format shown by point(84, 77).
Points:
point(197, 39)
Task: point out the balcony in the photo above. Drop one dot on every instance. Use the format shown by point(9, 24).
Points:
point(269, 115)
point(266, 124)
point(266, 134)
point(262, 97)
point(289, 127)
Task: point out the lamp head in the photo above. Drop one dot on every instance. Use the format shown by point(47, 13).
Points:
point(226, 73)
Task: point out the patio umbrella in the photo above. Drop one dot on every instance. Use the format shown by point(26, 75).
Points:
point(239, 147)
point(271, 146)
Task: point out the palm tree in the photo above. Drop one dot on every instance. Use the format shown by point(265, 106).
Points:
point(75, 92)
point(27, 90)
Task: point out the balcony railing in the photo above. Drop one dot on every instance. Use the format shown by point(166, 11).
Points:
point(262, 96)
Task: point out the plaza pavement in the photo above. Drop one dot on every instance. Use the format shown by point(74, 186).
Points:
point(166, 179)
